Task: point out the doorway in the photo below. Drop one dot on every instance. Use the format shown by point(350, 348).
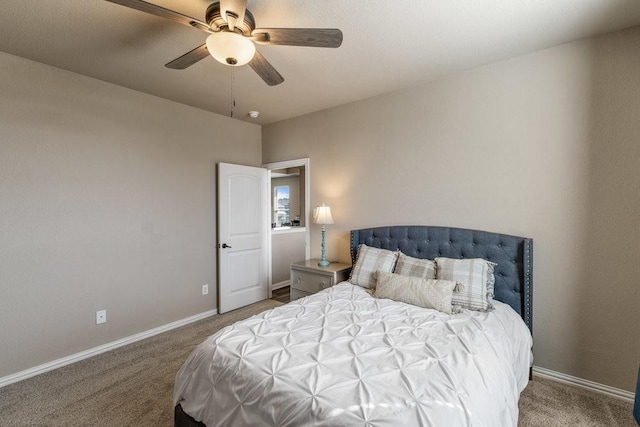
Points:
point(289, 237)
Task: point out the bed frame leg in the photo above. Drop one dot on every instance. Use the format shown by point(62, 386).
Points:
point(531, 373)
point(182, 419)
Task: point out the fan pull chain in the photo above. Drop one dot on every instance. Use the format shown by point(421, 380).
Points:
point(233, 99)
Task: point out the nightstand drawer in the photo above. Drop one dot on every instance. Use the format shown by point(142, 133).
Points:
point(309, 282)
point(296, 294)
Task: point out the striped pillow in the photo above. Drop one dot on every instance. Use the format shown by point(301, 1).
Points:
point(370, 260)
point(415, 267)
point(477, 276)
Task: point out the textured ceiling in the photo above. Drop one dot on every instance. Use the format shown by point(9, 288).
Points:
point(387, 45)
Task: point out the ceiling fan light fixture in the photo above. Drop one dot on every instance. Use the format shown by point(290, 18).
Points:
point(230, 48)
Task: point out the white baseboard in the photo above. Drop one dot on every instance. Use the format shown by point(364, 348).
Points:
point(279, 285)
point(67, 360)
point(589, 385)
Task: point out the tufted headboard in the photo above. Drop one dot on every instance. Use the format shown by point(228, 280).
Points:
point(514, 255)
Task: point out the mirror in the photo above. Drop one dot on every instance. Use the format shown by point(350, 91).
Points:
point(287, 198)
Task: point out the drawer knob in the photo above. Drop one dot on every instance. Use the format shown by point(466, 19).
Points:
point(298, 280)
point(323, 284)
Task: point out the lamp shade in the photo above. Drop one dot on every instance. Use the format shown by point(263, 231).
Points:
point(230, 48)
point(322, 215)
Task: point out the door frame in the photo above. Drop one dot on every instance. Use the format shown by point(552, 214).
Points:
point(304, 162)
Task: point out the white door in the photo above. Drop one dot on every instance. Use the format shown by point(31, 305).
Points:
point(243, 227)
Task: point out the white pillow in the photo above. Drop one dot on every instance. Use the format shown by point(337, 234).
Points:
point(427, 293)
point(475, 274)
point(415, 267)
point(370, 261)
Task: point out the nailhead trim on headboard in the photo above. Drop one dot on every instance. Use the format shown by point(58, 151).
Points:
point(528, 279)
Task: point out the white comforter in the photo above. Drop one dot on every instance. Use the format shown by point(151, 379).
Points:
point(342, 357)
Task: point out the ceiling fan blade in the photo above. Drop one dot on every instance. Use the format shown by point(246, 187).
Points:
point(162, 12)
point(189, 58)
point(233, 11)
point(312, 37)
point(265, 70)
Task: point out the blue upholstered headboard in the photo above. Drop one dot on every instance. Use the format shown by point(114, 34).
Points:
point(514, 255)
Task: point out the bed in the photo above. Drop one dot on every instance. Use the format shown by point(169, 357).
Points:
point(343, 357)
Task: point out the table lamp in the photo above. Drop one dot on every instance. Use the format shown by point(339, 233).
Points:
point(322, 215)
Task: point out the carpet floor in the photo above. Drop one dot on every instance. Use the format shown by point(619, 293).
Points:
point(133, 386)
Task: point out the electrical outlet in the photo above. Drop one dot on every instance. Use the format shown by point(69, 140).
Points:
point(205, 289)
point(101, 316)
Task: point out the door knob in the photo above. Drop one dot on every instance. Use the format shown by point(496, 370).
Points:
point(224, 245)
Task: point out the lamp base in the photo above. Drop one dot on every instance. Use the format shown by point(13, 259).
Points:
point(323, 263)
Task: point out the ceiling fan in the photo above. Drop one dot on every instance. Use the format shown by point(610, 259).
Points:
point(233, 33)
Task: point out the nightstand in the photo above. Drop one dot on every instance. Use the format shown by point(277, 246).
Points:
point(308, 278)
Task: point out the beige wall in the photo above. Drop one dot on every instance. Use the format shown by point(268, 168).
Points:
point(546, 146)
point(286, 247)
point(107, 201)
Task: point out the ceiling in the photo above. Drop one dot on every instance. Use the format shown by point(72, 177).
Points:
point(388, 45)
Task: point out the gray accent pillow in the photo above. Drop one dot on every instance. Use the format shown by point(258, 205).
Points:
point(415, 267)
point(370, 261)
point(427, 293)
point(476, 274)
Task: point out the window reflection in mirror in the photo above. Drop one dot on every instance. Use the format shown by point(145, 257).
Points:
point(287, 198)
point(281, 205)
